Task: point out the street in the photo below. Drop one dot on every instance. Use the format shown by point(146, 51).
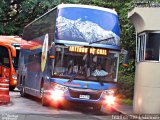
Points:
point(30, 108)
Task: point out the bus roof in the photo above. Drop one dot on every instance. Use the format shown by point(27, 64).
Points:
point(74, 5)
point(87, 6)
point(9, 40)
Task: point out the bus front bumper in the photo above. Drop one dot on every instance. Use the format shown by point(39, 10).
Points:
point(61, 97)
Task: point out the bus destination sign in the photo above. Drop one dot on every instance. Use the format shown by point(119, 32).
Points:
point(85, 50)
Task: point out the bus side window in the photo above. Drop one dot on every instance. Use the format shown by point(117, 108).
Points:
point(34, 63)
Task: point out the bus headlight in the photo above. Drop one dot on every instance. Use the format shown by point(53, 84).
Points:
point(57, 95)
point(14, 77)
point(110, 99)
point(58, 91)
point(110, 92)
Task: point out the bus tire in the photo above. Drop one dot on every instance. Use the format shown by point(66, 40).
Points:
point(111, 111)
point(22, 89)
point(11, 88)
point(43, 97)
point(97, 108)
point(58, 106)
point(44, 101)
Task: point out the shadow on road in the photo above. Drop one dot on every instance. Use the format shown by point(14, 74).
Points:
point(15, 90)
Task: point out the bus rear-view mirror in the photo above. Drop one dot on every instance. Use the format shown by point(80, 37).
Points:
point(52, 51)
point(52, 57)
point(125, 57)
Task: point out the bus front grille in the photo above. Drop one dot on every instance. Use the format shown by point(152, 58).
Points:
point(94, 94)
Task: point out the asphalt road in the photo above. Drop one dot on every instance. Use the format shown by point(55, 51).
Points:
point(29, 108)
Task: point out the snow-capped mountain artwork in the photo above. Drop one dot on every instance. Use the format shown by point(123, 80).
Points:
point(84, 31)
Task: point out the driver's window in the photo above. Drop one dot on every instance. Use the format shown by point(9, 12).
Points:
point(4, 56)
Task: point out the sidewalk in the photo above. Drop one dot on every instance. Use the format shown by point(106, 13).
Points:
point(35, 117)
point(124, 109)
point(128, 114)
point(53, 117)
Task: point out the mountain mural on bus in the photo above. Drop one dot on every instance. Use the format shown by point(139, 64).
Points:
point(87, 25)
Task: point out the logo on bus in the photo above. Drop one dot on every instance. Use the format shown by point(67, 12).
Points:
point(44, 52)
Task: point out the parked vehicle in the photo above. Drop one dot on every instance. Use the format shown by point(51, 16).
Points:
point(9, 59)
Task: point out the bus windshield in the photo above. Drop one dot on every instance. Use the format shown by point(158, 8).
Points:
point(87, 25)
point(84, 63)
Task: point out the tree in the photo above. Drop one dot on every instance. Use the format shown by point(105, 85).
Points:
point(15, 14)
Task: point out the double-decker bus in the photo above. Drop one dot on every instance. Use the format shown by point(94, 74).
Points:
point(71, 54)
point(9, 55)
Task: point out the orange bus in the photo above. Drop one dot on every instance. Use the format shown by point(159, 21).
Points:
point(9, 55)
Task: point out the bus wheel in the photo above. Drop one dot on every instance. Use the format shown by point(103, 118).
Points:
point(58, 106)
point(22, 91)
point(44, 101)
point(97, 108)
point(11, 88)
point(43, 97)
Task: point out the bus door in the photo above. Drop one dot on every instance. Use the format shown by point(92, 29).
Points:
point(4, 62)
point(15, 63)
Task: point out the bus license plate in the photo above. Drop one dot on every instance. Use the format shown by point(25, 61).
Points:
point(84, 97)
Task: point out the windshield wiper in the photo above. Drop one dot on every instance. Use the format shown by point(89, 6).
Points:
point(73, 77)
point(101, 40)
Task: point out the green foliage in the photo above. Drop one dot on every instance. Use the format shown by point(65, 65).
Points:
point(127, 101)
point(15, 14)
point(126, 85)
point(126, 79)
point(143, 3)
point(126, 74)
point(129, 69)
